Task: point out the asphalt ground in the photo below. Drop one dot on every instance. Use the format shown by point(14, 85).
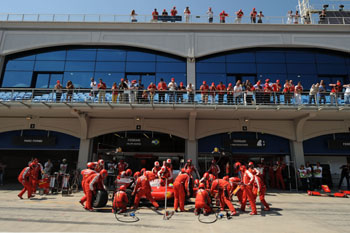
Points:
point(290, 212)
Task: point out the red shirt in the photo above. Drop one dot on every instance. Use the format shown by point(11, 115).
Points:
point(162, 86)
point(101, 86)
point(155, 14)
point(299, 89)
point(173, 12)
point(221, 88)
point(223, 15)
point(276, 87)
point(204, 89)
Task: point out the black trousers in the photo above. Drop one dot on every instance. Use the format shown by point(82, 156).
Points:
point(341, 181)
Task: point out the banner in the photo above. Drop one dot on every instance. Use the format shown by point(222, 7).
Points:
point(33, 141)
point(247, 143)
point(339, 144)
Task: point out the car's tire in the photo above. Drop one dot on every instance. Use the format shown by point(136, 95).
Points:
point(100, 199)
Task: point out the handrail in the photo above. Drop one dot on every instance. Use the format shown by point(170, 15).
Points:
point(196, 97)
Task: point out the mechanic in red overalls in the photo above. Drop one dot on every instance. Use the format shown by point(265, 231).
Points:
point(85, 174)
point(214, 168)
point(120, 200)
point(25, 178)
point(143, 189)
point(156, 167)
point(92, 184)
point(224, 189)
point(235, 182)
point(181, 188)
point(203, 201)
point(279, 176)
point(247, 188)
point(122, 166)
point(259, 188)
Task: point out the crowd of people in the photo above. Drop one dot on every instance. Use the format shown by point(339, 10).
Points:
point(245, 93)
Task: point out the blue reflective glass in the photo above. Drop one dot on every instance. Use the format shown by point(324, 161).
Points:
point(17, 79)
point(81, 55)
point(301, 68)
point(79, 79)
point(147, 79)
point(140, 56)
point(292, 57)
point(141, 67)
point(110, 66)
point(42, 81)
point(20, 65)
point(54, 78)
point(241, 57)
point(270, 57)
point(241, 68)
point(111, 55)
point(272, 77)
point(52, 56)
point(211, 67)
point(335, 69)
point(329, 58)
point(271, 68)
point(179, 77)
point(170, 67)
point(79, 66)
point(213, 59)
point(49, 66)
point(109, 78)
point(209, 78)
point(168, 59)
point(26, 58)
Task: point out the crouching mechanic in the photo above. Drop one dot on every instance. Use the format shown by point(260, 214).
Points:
point(203, 201)
point(93, 183)
point(181, 185)
point(120, 200)
point(224, 189)
point(25, 178)
point(143, 189)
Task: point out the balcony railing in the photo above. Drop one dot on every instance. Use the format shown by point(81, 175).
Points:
point(150, 97)
point(86, 18)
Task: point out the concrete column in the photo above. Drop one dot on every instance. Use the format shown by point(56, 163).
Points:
point(2, 62)
point(297, 153)
point(192, 151)
point(84, 153)
point(191, 71)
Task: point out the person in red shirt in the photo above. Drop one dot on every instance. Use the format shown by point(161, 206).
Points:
point(143, 189)
point(120, 200)
point(291, 90)
point(212, 90)
point(189, 166)
point(336, 89)
point(173, 12)
point(203, 201)
point(162, 87)
point(181, 188)
point(229, 94)
point(272, 177)
point(221, 89)
point(35, 172)
point(279, 176)
point(101, 91)
point(205, 180)
point(204, 88)
point(92, 184)
point(156, 168)
point(297, 94)
point(239, 16)
point(235, 183)
point(247, 188)
point(224, 189)
point(122, 166)
point(259, 188)
point(214, 168)
point(155, 15)
point(152, 91)
point(276, 88)
point(25, 178)
point(223, 15)
point(253, 16)
point(85, 174)
point(267, 92)
point(180, 93)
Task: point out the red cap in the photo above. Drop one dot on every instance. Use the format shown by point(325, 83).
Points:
point(250, 164)
point(230, 84)
point(58, 81)
point(226, 178)
point(168, 161)
point(258, 82)
point(172, 79)
point(181, 83)
point(213, 84)
point(277, 81)
point(267, 80)
point(338, 83)
point(122, 80)
point(122, 188)
point(204, 82)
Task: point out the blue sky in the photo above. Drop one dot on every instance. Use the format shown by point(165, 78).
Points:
point(143, 7)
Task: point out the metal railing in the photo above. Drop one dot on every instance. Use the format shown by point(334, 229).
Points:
point(154, 97)
point(86, 18)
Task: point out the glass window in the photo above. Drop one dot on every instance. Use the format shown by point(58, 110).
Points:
point(301, 68)
point(49, 66)
point(170, 67)
point(110, 66)
point(209, 78)
point(26, 58)
point(144, 67)
point(168, 59)
point(80, 66)
point(271, 68)
point(328, 58)
point(42, 81)
point(140, 56)
point(241, 68)
point(335, 69)
point(241, 57)
point(20, 65)
point(213, 59)
point(111, 55)
point(147, 79)
point(54, 78)
point(81, 55)
point(272, 77)
point(292, 57)
point(109, 78)
point(270, 57)
point(17, 79)
point(79, 79)
point(211, 67)
point(52, 56)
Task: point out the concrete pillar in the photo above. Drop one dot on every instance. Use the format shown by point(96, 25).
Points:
point(191, 72)
point(2, 62)
point(84, 153)
point(192, 151)
point(297, 153)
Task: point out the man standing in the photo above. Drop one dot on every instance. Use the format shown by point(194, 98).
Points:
point(156, 168)
point(214, 168)
point(47, 167)
point(172, 86)
point(210, 14)
point(122, 166)
point(155, 15)
point(279, 176)
point(112, 167)
point(187, 14)
point(181, 185)
point(101, 91)
point(276, 88)
point(223, 15)
point(143, 189)
point(25, 178)
point(259, 189)
point(94, 89)
point(239, 16)
point(247, 188)
point(162, 87)
point(173, 13)
point(204, 88)
point(221, 88)
point(317, 175)
point(345, 172)
point(253, 16)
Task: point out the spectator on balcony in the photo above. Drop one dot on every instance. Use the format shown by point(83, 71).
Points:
point(187, 14)
point(322, 92)
point(133, 91)
point(123, 86)
point(114, 92)
point(259, 92)
point(239, 15)
point(180, 93)
point(164, 13)
point(230, 91)
point(253, 16)
point(286, 92)
point(94, 89)
point(190, 92)
point(101, 91)
point(212, 93)
point(298, 93)
point(133, 16)
point(223, 16)
point(58, 89)
point(322, 16)
point(290, 17)
point(335, 92)
point(152, 91)
point(276, 89)
point(144, 97)
point(210, 14)
point(173, 13)
point(296, 17)
point(221, 89)
point(260, 16)
point(248, 92)
point(238, 91)
point(172, 87)
point(155, 15)
point(204, 88)
point(139, 89)
point(291, 90)
point(313, 93)
point(70, 88)
point(267, 91)
point(162, 88)
point(347, 94)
